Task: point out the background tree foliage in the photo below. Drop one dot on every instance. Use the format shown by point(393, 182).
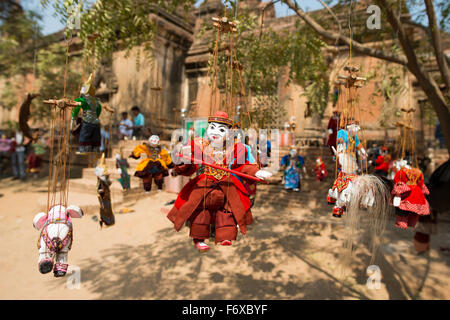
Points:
point(124, 24)
point(24, 51)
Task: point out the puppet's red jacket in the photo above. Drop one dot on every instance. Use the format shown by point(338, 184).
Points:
point(409, 186)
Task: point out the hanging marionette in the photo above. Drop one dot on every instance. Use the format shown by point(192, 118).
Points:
point(409, 188)
point(155, 166)
point(56, 238)
point(347, 140)
point(122, 166)
point(215, 203)
point(90, 135)
point(104, 193)
point(291, 164)
point(409, 197)
point(320, 170)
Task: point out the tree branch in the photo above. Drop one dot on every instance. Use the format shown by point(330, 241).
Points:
point(358, 47)
point(437, 44)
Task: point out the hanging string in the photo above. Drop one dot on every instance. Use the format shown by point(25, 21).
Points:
point(68, 41)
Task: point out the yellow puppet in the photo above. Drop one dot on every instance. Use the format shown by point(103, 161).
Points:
point(155, 166)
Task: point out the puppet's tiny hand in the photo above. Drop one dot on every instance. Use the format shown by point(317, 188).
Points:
point(263, 174)
point(397, 201)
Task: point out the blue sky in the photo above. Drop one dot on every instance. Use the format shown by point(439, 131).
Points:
point(51, 24)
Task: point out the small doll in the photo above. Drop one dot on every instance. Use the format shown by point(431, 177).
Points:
point(291, 164)
point(155, 166)
point(56, 237)
point(319, 168)
point(104, 193)
point(409, 197)
point(89, 130)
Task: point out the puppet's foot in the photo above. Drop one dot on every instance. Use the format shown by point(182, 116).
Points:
point(225, 242)
point(296, 189)
point(338, 212)
point(401, 222)
point(60, 269)
point(45, 266)
point(201, 246)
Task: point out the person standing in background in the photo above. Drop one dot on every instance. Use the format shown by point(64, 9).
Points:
point(139, 122)
point(439, 135)
point(125, 127)
point(18, 156)
point(5, 146)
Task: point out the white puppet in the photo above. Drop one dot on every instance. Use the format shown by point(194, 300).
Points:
point(341, 192)
point(55, 239)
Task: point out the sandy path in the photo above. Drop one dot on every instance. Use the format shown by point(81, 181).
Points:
point(287, 254)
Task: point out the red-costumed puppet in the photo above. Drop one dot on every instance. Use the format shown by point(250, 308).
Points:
point(215, 200)
point(319, 168)
point(409, 197)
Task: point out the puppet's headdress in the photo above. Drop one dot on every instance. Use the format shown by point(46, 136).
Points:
point(88, 86)
point(102, 164)
point(221, 117)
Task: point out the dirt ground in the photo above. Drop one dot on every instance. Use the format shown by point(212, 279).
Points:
point(286, 254)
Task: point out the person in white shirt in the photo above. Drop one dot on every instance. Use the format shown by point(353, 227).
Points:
point(125, 127)
point(18, 157)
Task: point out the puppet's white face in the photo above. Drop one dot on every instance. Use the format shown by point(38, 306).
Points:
point(318, 160)
point(83, 90)
point(217, 133)
point(99, 171)
point(154, 141)
point(293, 152)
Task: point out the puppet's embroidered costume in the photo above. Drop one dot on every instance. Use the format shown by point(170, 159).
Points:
point(155, 166)
point(56, 237)
point(409, 197)
point(215, 203)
